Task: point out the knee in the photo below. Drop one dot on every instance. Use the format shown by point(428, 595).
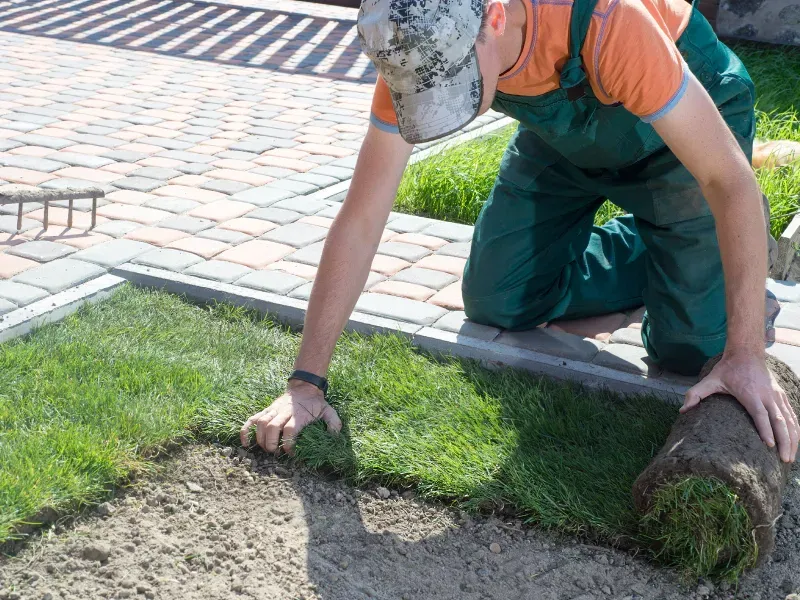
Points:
point(519, 308)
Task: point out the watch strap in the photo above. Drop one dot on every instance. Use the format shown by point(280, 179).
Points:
point(314, 380)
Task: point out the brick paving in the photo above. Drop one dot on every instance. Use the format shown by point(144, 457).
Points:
point(216, 130)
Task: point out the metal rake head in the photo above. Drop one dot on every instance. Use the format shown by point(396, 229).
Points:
point(14, 195)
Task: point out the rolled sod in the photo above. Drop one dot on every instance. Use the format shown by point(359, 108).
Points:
point(711, 497)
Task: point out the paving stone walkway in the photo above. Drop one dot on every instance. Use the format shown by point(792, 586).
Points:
point(219, 132)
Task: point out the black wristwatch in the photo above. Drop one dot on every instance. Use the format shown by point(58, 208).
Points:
point(314, 380)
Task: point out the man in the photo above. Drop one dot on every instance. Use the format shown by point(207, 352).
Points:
point(634, 100)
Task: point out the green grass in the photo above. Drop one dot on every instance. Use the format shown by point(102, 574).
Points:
point(83, 404)
point(453, 184)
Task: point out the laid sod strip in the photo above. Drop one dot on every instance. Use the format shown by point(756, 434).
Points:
point(454, 184)
point(83, 403)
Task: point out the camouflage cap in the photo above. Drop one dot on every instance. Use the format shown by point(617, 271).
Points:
point(425, 51)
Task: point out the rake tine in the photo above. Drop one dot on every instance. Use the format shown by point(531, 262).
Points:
point(46, 213)
point(19, 218)
point(69, 215)
point(94, 211)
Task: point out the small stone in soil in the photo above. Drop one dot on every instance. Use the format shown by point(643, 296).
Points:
point(494, 547)
point(383, 493)
point(193, 487)
point(98, 552)
point(703, 590)
point(226, 451)
point(105, 509)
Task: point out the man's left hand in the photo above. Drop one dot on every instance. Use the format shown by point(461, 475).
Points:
point(745, 376)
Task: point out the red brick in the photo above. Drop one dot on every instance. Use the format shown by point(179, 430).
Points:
point(286, 163)
point(448, 264)
point(598, 328)
point(402, 289)
point(299, 269)
point(201, 246)
point(419, 239)
point(14, 265)
point(189, 193)
point(37, 151)
point(254, 227)
point(158, 236)
point(95, 175)
point(129, 197)
point(24, 176)
point(256, 254)
point(58, 216)
point(221, 210)
point(137, 214)
point(388, 265)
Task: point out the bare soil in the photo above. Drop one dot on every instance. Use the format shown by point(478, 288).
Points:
point(209, 524)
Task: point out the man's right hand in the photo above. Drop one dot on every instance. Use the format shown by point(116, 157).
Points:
point(286, 417)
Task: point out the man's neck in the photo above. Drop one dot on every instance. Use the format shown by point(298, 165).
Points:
point(513, 40)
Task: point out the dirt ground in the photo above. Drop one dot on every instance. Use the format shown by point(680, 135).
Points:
point(210, 524)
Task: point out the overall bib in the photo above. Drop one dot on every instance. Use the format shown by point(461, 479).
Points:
point(536, 255)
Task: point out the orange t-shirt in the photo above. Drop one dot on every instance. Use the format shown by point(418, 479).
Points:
point(629, 55)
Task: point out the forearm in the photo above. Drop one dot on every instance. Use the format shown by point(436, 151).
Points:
point(741, 231)
point(351, 245)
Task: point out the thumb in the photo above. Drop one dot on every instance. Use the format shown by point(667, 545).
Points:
point(702, 390)
point(331, 419)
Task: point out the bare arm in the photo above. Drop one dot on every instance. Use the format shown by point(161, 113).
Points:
point(343, 270)
point(700, 138)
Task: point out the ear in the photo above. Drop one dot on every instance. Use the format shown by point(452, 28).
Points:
point(496, 18)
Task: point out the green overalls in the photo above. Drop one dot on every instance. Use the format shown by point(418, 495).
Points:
point(536, 255)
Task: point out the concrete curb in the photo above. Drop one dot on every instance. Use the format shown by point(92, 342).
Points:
point(56, 307)
point(291, 312)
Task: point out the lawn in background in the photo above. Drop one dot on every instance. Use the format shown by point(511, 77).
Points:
point(454, 184)
point(85, 401)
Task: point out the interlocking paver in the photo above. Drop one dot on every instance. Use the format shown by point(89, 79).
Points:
point(218, 270)
point(458, 249)
point(113, 253)
point(31, 163)
point(418, 239)
point(20, 294)
point(156, 236)
point(6, 306)
point(627, 335)
point(552, 342)
point(204, 247)
point(276, 282)
point(388, 265)
point(303, 292)
point(297, 187)
point(789, 316)
point(59, 275)
point(457, 322)
point(256, 254)
point(233, 238)
point(158, 173)
point(137, 214)
point(24, 176)
point(168, 259)
point(117, 229)
point(306, 206)
point(139, 184)
point(410, 252)
point(297, 235)
point(8, 224)
point(294, 164)
point(12, 265)
point(316, 179)
point(254, 227)
point(189, 193)
point(307, 272)
point(624, 357)
point(222, 210)
point(599, 328)
point(408, 224)
point(263, 196)
point(41, 250)
point(400, 309)
point(225, 186)
point(449, 298)
point(785, 291)
point(173, 205)
point(427, 277)
point(448, 264)
point(403, 290)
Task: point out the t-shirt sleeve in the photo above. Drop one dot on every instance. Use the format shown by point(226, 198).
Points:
point(383, 115)
point(635, 61)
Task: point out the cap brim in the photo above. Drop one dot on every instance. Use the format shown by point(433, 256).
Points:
point(450, 104)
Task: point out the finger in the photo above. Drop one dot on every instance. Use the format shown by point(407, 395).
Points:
point(290, 432)
point(272, 433)
point(703, 389)
point(791, 420)
point(761, 420)
point(332, 420)
point(244, 434)
point(779, 429)
point(261, 426)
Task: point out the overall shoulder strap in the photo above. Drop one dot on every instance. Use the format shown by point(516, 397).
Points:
point(573, 75)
